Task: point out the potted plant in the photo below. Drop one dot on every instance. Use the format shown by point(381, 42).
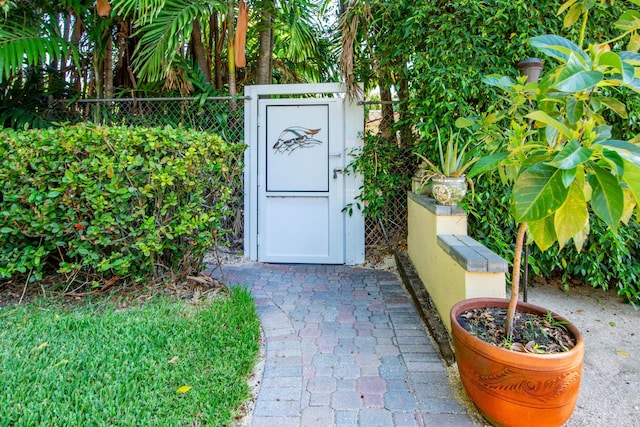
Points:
point(448, 180)
point(551, 142)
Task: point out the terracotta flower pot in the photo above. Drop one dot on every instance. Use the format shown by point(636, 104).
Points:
point(517, 389)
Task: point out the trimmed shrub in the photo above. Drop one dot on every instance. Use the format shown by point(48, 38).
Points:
point(95, 202)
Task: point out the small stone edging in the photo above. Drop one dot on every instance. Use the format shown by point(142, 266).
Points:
point(424, 306)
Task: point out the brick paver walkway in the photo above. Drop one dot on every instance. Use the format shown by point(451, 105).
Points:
point(344, 347)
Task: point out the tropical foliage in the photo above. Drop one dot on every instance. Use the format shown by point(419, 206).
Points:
point(53, 50)
point(433, 56)
point(552, 143)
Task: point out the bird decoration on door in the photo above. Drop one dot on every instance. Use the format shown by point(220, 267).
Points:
point(295, 137)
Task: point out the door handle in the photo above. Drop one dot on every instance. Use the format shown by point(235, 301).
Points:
point(336, 154)
point(336, 172)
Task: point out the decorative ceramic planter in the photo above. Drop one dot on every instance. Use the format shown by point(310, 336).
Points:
point(517, 389)
point(447, 190)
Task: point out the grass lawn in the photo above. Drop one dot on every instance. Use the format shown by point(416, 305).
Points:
point(165, 362)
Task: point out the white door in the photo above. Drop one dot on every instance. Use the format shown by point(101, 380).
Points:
point(300, 180)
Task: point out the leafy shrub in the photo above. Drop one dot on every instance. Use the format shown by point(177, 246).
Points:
point(383, 166)
point(439, 51)
point(98, 202)
point(607, 260)
point(451, 45)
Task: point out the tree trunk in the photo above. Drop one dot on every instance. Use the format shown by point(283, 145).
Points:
point(98, 63)
point(211, 41)
point(231, 55)
point(405, 130)
point(264, 71)
point(218, 35)
point(108, 66)
point(387, 120)
point(515, 280)
point(76, 35)
point(198, 50)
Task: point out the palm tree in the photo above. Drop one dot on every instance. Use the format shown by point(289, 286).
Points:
point(292, 42)
point(147, 43)
point(289, 30)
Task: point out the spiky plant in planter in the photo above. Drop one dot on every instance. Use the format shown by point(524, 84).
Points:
point(447, 177)
point(552, 144)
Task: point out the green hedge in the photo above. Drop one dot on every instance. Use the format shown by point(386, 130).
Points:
point(453, 44)
point(94, 202)
point(607, 260)
point(435, 54)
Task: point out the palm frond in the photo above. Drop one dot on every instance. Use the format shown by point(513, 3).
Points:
point(357, 13)
point(142, 11)
point(161, 38)
point(20, 46)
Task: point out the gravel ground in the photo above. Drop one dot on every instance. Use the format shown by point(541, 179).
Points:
point(610, 387)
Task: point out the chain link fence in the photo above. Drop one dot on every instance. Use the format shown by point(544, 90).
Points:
point(394, 157)
point(225, 117)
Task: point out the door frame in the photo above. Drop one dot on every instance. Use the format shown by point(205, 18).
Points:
point(353, 128)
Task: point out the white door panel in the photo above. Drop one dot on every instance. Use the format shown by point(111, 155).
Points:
point(300, 197)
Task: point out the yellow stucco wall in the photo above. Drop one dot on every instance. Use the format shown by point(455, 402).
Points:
point(446, 281)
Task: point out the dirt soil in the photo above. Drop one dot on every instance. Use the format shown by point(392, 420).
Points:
point(610, 388)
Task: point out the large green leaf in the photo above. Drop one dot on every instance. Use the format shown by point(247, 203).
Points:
point(487, 164)
point(575, 110)
point(612, 60)
point(568, 175)
point(571, 218)
point(613, 158)
point(628, 73)
point(632, 58)
point(559, 48)
point(579, 81)
point(573, 15)
point(538, 192)
point(607, 200)
point(543, 233)
point(546, 119)
point(571, 155)
point(625, 149)
point(614, 105)
point(633, 85)
point(573, 66)
point(629, 21)
point(497, 80)
point(632, 178)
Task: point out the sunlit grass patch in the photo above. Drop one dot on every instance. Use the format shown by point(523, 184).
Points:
point(165, 362)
